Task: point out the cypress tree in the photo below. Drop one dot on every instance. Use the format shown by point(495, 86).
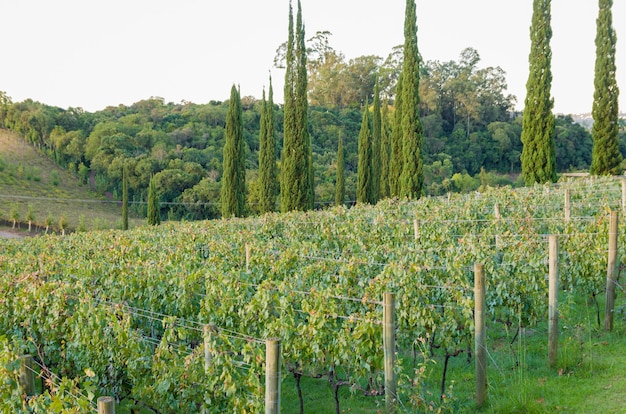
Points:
point(376, 145)
point(288, 183)
point(267, 156)
point(606, 157)
point(154, 215)
point(297, 175)
point(233, 191)
point(340, 186)
point(303, 108)
point(412, 176)
point(385, 152)
point(125, 197)
point(364, 166)
point(395, 166)
point(538, 125)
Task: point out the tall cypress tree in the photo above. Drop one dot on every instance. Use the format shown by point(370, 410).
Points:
point(340, 186)
point(538, 125)
point(385, 151)
point(376, 145)
point(302, 111)
point(268, 189)
point(412, 177)
point(125, 197)
point(606, 157)
point(364, 181)
point(395, 166)
point(233, 191)
point(297, 170)
point(154, 214)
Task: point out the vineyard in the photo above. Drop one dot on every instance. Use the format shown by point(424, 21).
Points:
point(177, 318)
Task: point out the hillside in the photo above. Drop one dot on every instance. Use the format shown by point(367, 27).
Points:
point(28, 178)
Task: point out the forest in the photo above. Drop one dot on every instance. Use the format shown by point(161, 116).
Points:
point(471, 133)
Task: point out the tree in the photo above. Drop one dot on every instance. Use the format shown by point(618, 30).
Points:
point(364, 186)
point(125, 197)
point(15, 215)
point(296, 183)
point(49, 221)
point(30, 216)
point(396, 162)
point(412, 176)
point(154, 213)
point(376, 145)
point(302, 110)
point(606, 156)
point(233, 192)
point(538, 153)
point(340, 186)
point(62, 224)
point(385, 151)
point(268, 178)
point(5, 102)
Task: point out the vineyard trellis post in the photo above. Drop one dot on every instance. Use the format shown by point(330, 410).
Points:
point(480, 338)
point(416, 229)
point(553, 313)
point(498, 215)
point(106, 405)
point(248, 256)
point(389, 347)
point(26, 375)
point(272, 376)
point(567, 209)
point(623, 195)
point(611, 274)
point(207, 333)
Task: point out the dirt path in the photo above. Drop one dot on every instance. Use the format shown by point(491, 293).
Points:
point(8, 235)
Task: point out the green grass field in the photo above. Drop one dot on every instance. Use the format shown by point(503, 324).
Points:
point(28, 178)
point(589, 377)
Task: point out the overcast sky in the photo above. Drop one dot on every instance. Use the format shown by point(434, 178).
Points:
point(96, 53)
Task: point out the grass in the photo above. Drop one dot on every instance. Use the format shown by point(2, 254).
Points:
point(28, 178)
point(589, 376)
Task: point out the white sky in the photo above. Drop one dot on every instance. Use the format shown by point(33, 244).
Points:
point(96, 53)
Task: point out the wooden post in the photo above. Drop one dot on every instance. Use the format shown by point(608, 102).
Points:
point(498, 216)
point(248, 255)
point(27, 375)
point(389, 347)
point(106, 405)
point(480, 337)
point(207, 333)
point(416, 229)
point(623, 196)
point(272, 376)
point(611, 272)
point(567, 209)
point(553, 312)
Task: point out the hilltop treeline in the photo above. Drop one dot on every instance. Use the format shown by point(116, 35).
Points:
point(468, 120)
